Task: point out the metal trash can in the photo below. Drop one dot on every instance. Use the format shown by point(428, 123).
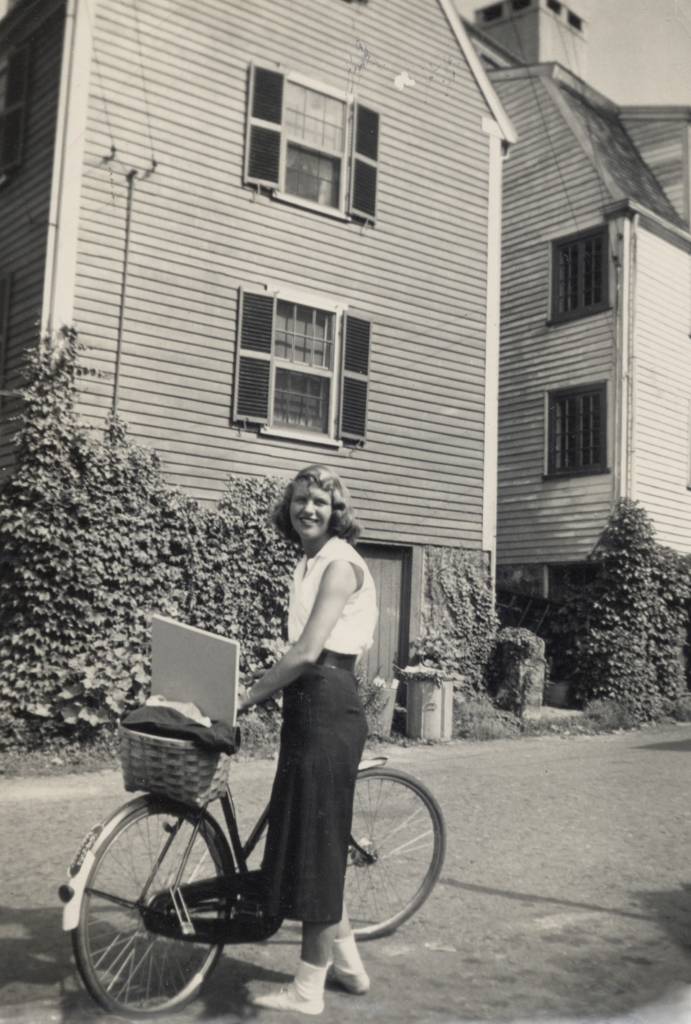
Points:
point(429, 703)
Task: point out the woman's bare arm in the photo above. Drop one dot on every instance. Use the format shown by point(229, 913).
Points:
point(338, 583)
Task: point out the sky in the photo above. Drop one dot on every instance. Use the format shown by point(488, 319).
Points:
point(639, 51)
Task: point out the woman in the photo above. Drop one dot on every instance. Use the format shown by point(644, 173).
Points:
point(331, 618)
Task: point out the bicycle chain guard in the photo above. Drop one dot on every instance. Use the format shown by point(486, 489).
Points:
point(213, 910)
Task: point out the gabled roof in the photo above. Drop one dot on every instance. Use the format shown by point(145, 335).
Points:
point(597, 124)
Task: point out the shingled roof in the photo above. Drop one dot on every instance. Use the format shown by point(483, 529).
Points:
point(594, 119)
point(623, 171)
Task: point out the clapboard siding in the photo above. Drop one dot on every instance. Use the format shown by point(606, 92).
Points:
point(556, 519)
point(663, 144)
point(197, 235)
point(662, 442)
point(24, 206)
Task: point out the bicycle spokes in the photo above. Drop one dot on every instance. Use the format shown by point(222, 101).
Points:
point(152, 859)
point(395, 851)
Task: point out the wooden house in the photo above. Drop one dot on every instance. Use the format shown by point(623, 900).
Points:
point(595, 364)
point(276, 226)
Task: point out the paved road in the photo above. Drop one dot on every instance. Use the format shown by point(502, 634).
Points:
point(565, 896)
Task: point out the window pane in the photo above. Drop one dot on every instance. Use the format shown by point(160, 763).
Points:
point(568, 278)
point(323, 339)
point(577, 432)
point(284, 329)
point(304, 335)
point(581, 268)
point(313, 176)
point(592, 270)
point(301, 400)
point(313, 118)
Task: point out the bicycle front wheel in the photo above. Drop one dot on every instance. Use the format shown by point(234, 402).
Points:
point(125, 967)
point(396, 852)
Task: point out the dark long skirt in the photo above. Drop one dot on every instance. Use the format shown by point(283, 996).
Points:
point(310, 813)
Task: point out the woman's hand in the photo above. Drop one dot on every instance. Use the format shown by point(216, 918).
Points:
point(243, 698)
point(244, 692)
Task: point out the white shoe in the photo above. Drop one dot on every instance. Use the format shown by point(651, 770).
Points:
point(357, 983)
point(287, 998)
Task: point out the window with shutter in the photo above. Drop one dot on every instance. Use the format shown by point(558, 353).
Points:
point(289, 376)
point(580, 273)
point(298, 144)
point(577, 431)
point(14, 82)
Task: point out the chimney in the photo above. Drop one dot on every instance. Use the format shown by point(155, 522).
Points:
point(538, 31)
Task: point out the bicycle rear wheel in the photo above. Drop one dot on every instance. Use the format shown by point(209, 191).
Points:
point(125, 967)
point(396, 852)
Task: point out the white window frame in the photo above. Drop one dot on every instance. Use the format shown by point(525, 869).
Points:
point(327, 305)
point(288, 197)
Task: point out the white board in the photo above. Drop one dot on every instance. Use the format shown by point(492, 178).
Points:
point(190, 664)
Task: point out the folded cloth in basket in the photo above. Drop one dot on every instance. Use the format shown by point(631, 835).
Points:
point(186, 708)
point(165, 721)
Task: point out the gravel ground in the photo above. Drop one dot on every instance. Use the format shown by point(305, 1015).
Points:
point(565, 895)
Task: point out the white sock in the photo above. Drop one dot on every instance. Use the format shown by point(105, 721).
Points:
point(309, 980)
point(347, 956)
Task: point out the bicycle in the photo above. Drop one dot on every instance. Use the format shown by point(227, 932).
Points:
point(159, 887)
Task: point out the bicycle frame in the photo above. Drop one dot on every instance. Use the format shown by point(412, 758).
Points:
point(72, 893)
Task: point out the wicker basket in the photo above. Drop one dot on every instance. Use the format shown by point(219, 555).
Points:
point(178, 769)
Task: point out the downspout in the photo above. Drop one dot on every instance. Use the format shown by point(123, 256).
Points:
point(70, 132)
point(620, 356)
point(131, 178)
point(492, 334)
point(631, 367)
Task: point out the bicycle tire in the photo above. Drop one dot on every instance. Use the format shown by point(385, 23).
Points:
point(171, 972)
point(389, 876)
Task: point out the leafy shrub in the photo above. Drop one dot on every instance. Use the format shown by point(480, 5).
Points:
point(477, 718)
point(608, 715)
point(461, 637)
point(374, 696)
point(517, 656)
point(680, 709)
point(260, 728)
point(621, 633)
point(93, 541)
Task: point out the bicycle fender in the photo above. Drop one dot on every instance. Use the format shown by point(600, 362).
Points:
point(371, 762)
point(72, 892)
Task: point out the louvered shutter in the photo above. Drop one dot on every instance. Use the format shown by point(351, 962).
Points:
point(357, 338)
point(265, 115)
point(13, 116)
point(364, 158)
point(253, 357)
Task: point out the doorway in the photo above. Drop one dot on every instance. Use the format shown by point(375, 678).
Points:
point(391, 572)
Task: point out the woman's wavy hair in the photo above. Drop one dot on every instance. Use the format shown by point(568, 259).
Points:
point(342, 523)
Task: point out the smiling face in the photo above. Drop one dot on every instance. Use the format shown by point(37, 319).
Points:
point(310, 515)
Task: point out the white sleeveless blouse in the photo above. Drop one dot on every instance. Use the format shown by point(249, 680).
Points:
point(354, 631)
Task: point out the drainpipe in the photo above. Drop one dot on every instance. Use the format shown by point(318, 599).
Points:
point(631, 367)
point(70, 134)
point(619, 416)
point(131, 178)
point(496, 157)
